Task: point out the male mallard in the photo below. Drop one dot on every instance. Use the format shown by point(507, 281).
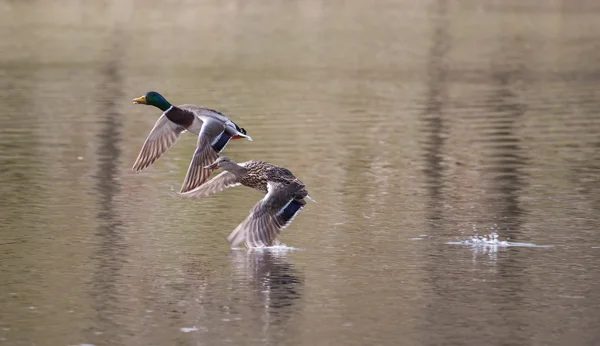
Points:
point(214, 131)
point(284, 198)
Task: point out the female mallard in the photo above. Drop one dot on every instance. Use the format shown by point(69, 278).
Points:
point(284, 198)
point(214, 131)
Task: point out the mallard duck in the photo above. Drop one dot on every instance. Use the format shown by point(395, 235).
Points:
point(284, 198)
point(214, 131)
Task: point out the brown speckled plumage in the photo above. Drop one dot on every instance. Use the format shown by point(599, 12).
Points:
point(284, 198)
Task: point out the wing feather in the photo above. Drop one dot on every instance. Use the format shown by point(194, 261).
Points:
point(217, 184)
point(268, 217)
point(203, 156)
point(162, 136)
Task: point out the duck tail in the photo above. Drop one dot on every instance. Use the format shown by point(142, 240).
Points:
point(239, 132)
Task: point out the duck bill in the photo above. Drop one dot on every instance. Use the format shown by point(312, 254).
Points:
point(140, 100)
point(213, 166)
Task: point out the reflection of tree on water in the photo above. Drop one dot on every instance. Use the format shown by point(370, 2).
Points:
point(433, 116)
point(506, 159)
point(108, 256)
point(277, 283)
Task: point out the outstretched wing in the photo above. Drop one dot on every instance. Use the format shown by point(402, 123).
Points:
point(268, 217)
point(204, 155)
point(163, 135)
point(216, 184)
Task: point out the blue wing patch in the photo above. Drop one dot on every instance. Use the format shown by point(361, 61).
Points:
point(221, 141)
point(289, 211)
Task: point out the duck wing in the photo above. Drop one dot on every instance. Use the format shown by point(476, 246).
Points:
point(217, 184)
point(269, 216)
point(212, 135)
point(163, 135)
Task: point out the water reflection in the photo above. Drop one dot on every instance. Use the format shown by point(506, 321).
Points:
point(276, 283)
point(405, 117)
point(506, 160)
point(110, 251)
point(433, 116)
point(505, 168)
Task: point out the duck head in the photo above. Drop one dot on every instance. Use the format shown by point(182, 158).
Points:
point(223, 162)
point(152, 98)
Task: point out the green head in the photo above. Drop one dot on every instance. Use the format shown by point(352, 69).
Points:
point(152, 98)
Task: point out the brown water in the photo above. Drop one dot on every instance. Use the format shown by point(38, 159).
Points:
point(414, 124)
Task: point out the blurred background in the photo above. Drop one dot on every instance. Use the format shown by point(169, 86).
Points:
point(452, 147)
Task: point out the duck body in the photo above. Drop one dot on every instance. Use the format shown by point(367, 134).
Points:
point(258, 175)
point(193, 117)
point(214, 131)
point(284, 198)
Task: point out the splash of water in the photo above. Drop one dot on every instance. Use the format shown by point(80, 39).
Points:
point(277, 247)
point(491, 241)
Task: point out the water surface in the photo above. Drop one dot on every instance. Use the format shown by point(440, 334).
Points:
point(416, 125)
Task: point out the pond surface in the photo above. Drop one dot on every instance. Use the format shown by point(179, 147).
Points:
point(453, 149)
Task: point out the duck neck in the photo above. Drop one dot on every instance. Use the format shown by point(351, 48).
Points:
point(237, 170)
point(162, 104)
point(179, 116)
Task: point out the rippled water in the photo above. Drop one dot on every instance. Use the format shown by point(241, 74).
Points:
point(453, 149)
